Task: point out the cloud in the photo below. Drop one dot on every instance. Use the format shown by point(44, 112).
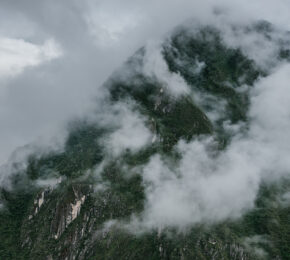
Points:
point(16, 54)
point(95, 38)
point(130, 134)
point(253, 245)
point(154, 66)
point(207, 186)
point(49, 183)
point(201, 189)
point(109, 27)
point(284, 200)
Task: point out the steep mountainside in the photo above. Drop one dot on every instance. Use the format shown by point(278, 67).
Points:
point(77, 203)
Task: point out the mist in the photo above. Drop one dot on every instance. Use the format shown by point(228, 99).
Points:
point(205, 188)
point(60, 53)
point(56, 55)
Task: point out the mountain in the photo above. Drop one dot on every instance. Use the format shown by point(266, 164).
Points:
point(79, 203)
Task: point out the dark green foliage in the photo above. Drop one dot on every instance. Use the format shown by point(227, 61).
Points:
point(270, 219)
point(10, 223)
point(171, 118)
point(126, 191)
point(223, 71)
point(82, 151)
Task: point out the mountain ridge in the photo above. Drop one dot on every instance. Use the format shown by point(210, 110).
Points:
point(94, 190)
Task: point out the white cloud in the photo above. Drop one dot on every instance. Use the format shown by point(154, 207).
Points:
point(210, 187)
point(68, 83)
point(202, 187)
point(156, 67)
point(131, 132)
point(257, 46)
point(284, 200)
point(17, 54)
point(253, 245)
point(109, 27)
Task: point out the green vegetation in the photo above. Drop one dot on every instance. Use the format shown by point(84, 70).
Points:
point(82, 152)
point(213, 69)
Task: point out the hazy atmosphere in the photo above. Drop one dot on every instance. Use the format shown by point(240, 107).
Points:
point(56, 54)
point(60, 63)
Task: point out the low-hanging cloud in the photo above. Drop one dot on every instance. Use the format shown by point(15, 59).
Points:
point(46, 90)
point(206, 187)
point(94, 41)
point(155, 66)
point(130, 134)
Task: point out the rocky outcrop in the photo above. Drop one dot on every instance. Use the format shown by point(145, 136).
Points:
point(67, 210)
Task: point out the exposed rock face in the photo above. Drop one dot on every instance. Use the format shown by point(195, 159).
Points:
point(66, 212)
point(38, 202)
point(54, 212)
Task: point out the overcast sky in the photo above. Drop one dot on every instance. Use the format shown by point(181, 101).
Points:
point(54, 54)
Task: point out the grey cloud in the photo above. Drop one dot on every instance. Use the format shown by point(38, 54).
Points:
point(130, 130)
point(41, 100)
point(206, 187)
point(65, 86)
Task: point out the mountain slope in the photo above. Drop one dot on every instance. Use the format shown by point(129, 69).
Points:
point(91, 193)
